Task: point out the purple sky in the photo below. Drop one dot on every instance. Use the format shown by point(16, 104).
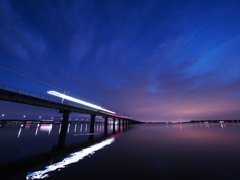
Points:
point(154, 60)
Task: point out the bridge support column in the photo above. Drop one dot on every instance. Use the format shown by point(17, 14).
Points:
point(105, 126)
point(64, 127)
point(123, 124)
point(92, 122)
point(114, 121)
point(119, 125)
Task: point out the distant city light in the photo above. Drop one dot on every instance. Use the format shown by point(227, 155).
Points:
point(24, 116)
point(3, 115)
point(78, 101)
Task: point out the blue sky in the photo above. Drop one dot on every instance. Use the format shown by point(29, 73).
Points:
point(155, 60)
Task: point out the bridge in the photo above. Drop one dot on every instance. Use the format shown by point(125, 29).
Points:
point(11, 94)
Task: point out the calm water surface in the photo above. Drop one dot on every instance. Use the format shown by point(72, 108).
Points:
point(144, 151)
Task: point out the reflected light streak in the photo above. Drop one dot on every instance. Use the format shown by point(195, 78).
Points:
point(81, 128)
point(54, 93)
point(45, 127)
point(19, 132)
point(50, 129)
point(73, 158)
point(60, 128)
point(221, 125)
point(180, 127)
point(27, 126)
point(68, 128)
point(37, 130)
point(75, 128)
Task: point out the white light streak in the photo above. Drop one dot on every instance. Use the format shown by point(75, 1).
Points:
point(81, 128)
point(60, 128)
point(50, 129)
point(37, 130)
point(75, 128)
point(54, 93)
point(19, 132)
point(68, 128)
point(73, 158)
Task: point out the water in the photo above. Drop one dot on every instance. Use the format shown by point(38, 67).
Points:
point(144, 151)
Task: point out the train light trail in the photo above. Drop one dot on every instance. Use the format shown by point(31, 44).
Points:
point(64, 96)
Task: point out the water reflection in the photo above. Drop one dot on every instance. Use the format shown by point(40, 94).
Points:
point(36, 142)
point(46, 128)
point(75, 128)
point(162, 151)
point(180, 127)
point(73, 158)
point(20, 130)
point(81, 128)
point(40, 127)
point(68, 128)
point(60, 128)
point(36, 130)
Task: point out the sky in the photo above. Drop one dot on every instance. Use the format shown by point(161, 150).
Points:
point(152, 60)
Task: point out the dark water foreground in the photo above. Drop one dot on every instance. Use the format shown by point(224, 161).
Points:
point(160, 151)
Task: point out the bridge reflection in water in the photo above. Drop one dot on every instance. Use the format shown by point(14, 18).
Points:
point(75, 141)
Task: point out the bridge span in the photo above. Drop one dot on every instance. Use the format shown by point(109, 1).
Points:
point(19, 96)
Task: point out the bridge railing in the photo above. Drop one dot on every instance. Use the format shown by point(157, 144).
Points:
point(20, 91)
point(28, 93)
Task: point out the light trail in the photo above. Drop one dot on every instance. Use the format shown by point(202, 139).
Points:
point(64, 96)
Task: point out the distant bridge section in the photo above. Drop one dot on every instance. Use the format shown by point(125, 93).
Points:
point(19, 96)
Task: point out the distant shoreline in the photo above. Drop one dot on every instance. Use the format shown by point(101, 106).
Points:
point(198, 121)
point(16, 121)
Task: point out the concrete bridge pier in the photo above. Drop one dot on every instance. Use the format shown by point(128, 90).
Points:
point(64, 127)
point(105, 126)
point(123, 125)
point(114, 121)
point(119, 125)
point(92, 122)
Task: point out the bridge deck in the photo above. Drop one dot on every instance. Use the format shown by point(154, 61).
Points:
point(16, 96)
